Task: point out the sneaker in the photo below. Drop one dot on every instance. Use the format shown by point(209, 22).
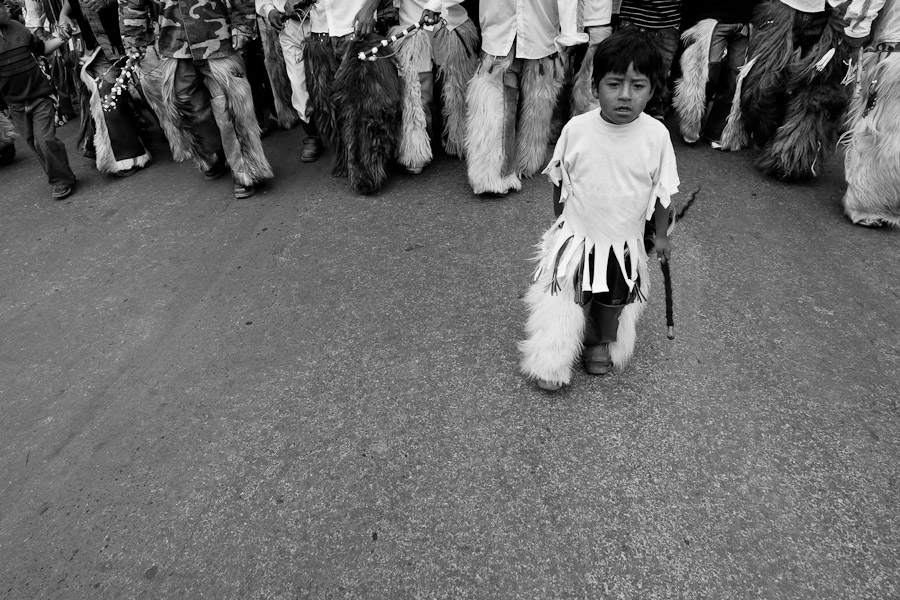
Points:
point(61, 192)
point(219, 168)
point(715, 145)
point(414, 170)
point(312, 149)
point(243, 191)
point(125, 173)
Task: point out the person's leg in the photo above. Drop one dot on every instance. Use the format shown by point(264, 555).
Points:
point(731, 57)
point(193, 99)
point(50, 150)
point(667, 41)
point(292, 40)
point(602, 313)
point(232, 106)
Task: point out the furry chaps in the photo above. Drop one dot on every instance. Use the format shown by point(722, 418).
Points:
point(278, 77)
point(120, 119)
point(369, 98)
point(690, 89)
point(7, 131)
point(582, 97)
point(415, 143)
point(485, 151)
point(459, 49)
point(321, 64)
point(812, 117)
point(872, 156)
point(541, 83)
point(157, 82)
point(233, 108)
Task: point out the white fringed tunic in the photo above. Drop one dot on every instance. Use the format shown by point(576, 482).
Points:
point(610, 177)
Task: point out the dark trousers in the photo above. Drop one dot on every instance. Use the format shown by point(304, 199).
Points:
point(667, 40)
point(36, 123)
point(602, 310)
point(727, 54)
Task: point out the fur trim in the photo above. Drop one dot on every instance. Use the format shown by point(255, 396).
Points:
point(873, 145)
point(622, 349)
point(415, 144)
point(106, 159)
point(582, 95)
point(484, 129)
point(735, 136)
point(460, 49)
point(541, 83)
point(7, 130)
point(771, 46)
point(157, 81)
point(554, 332)
point(228, 72)
point(690, 89)
point(369, 98)
point(813, 114)
point(321, 65)
point(278, 77)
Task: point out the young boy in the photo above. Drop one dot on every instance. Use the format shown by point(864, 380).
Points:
point(28, 94)
point(613, 170)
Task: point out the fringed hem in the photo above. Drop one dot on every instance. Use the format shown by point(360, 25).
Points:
point(415, 143)
point(690, 89)
point(541, 84)
point(460, 49)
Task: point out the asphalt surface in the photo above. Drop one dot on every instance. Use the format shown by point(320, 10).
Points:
point(314, 394)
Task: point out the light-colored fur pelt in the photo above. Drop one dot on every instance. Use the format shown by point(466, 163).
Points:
point(582, 95)
point(157, 81)
point(484, 129)
point(459, 48)
point(555, 325)
point(872, 156)
point(105, 157)
point(735, 136)
point(236, 110)
point(540, 84)
point(690, 99)
point(415, 144)
point(278, 77)
point(7, 130)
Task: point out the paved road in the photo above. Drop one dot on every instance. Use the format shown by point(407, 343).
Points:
point(312, 394)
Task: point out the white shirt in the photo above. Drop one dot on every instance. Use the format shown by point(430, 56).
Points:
point(450, 10)
point(888, 27)
point(341, 15)
point(536, 26)
point(860, 13)
point(610, 177)
point(597, 12)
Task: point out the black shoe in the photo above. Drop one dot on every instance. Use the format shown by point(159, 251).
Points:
point(61, 192)
point(219, 168)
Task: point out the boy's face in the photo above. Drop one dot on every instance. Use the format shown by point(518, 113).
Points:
point(623, 96)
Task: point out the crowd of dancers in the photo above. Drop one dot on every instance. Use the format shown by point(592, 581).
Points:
point(371, 80)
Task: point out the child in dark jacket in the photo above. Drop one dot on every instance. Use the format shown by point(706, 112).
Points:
point(28, 93)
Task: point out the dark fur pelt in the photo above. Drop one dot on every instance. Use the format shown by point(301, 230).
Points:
point(320, 64)
point(763, 91)
point(816, 104)
point(369, 100)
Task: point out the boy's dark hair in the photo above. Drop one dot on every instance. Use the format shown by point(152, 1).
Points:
point(627, 47)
